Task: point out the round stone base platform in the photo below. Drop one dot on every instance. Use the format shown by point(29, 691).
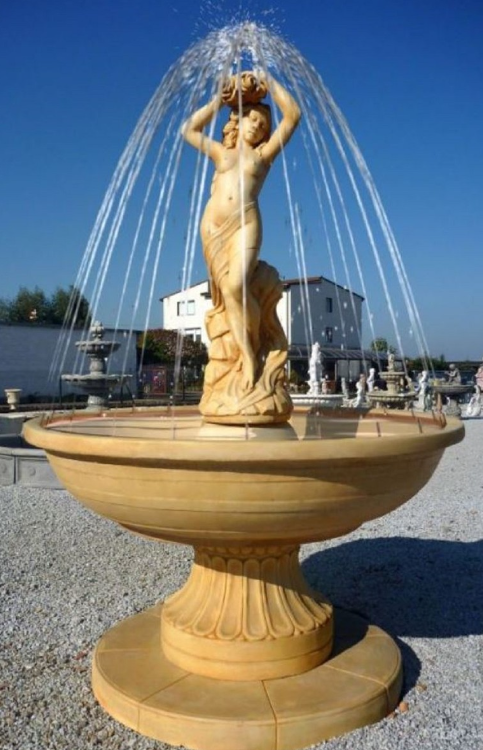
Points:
point(134, 682)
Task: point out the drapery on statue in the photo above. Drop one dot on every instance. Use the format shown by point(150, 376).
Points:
point(245, 377)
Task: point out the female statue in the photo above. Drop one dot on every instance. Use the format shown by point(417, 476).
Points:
point(245, 375)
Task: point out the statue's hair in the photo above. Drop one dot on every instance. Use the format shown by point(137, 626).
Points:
point(232, 127)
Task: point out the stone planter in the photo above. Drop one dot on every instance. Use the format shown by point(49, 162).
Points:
point(13, 397)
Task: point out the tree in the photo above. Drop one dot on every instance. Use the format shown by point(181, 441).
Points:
point(33, 306)
point(69, 306)
point(29, 306)
point(382, 345)
point(159, 346)
point(4, 310)
point(433, 363)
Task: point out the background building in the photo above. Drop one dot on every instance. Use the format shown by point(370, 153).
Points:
point(312, 310)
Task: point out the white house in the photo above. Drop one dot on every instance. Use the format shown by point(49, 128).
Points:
point(312, 310)
point(315, 309)
point(185, 311)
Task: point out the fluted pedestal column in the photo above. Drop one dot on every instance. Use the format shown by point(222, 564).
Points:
point(246, 614)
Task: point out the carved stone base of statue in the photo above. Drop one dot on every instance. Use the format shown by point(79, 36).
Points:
point(225, 398)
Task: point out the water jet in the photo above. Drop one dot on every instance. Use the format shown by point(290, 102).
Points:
point(246, 655)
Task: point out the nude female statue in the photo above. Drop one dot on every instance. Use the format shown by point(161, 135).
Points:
point(231, 226)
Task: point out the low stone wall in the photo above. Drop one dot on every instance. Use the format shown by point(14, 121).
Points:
point(20, 463)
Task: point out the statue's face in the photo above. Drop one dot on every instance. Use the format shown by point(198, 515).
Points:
point(254, 127)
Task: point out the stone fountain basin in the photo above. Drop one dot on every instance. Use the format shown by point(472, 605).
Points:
point(450, 389)
point(175, 480)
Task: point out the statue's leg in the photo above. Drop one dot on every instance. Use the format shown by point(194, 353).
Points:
point(242, 308)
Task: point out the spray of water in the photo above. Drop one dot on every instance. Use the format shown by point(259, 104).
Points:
point(131, 229)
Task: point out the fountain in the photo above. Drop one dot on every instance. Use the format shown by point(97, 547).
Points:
point(452, 389)
point(317, 395)
point(97, 383)
point(395, 397)
point(246, 655)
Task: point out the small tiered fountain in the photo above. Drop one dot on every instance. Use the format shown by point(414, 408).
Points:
point(317, 394)
point(97, 383)
point(395, 397)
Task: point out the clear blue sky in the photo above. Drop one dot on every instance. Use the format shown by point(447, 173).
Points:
point(408, 75)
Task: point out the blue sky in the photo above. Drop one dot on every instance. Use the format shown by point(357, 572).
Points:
point(407, 74)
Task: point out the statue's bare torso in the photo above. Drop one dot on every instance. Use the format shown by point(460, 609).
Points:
point(236, 184)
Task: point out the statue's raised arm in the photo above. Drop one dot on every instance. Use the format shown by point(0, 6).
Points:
point(290, 118)
point(192, 129)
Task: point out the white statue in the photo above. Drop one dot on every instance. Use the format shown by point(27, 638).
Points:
point(371, 379)
point(360, 399)
point(315, 370)
point(345, 392)
point(424, 391)
point(453, 376)
point(479, 378)
point(474, 406)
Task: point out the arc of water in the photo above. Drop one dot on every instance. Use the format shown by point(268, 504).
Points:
point(389, 238)
point(294, 215)
point(166, 191)
point(267, 51)
point(335, 221)
point(309, 72)
point(196, 204)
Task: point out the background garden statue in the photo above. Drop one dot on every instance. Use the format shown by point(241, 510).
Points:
point(315, 370)
point(424, 402)
point(453, 375)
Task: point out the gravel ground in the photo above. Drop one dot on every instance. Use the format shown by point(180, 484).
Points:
point(67, 575)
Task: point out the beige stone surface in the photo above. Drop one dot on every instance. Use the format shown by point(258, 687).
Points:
point(337, 474)
point(360, 684)
point(245, 655)
point(245, 379)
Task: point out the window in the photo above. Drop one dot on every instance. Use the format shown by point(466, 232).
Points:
point(329, 335)
point(328, 305)
point(194, 333)
point(186, 308)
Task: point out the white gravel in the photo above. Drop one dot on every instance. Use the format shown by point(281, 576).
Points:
point(67, 575)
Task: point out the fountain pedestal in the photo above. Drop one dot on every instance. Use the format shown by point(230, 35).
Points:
point(246, 613)
point(245, 656)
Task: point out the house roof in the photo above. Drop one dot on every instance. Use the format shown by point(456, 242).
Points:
point(302, 351)
point(286, 283)
point(178, 291)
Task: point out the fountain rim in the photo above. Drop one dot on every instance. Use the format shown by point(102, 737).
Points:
point(121, 448)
